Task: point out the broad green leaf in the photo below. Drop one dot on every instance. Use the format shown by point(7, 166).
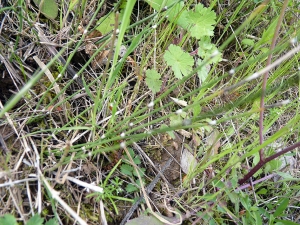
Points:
point(248, 42)
point(262, 191)
point(273, 165)
point(126, 169)
point(257, 217)
point(141, 172)
point(255, 161)
point(137, 160)
point(281, 207)
point(175, 12)
point(267, 35)
point(153, 80)
point(35, 220)
point(202, 72)
point(180, 61)
point(246, 202)
point(196, 110)
point(202, 21)
point(8, 219)
point(206, 49)
point(48, 7)
point(171, 133)
point(106, 23)
point(175, 120)
point(131, 188)
point(285, 175)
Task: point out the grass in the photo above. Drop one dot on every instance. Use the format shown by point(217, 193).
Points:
point(100, 124)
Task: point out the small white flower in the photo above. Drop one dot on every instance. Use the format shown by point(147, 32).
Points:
point(85, 32)
point(187, 122)
point(123, 144)
point(151, 104)
point(179, 111)
point(154, 26)
point(213, 122)
point(75, 76)
point(166, 7)
point(90, 154)
point(293, 40)
point(285, 102)
point(215, 53)
point(122, 135)
point(103, 136)
point(231, 72)
point(83, 148)
point(117, 31)
point(131, 124)
point(59, 75)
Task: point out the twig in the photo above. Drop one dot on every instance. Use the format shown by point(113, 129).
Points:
point(55, 195)
point(265, 79)
point(43, 39)
point(267, 68)
point(261, 163)
point(148, 190)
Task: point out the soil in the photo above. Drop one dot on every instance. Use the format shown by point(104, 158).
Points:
point(6, 87)
point(160, 155)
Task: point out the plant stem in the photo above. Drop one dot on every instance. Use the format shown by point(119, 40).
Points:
point(265, 79)
point(263, 162)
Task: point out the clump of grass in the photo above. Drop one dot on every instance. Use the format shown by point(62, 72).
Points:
point(232, 117)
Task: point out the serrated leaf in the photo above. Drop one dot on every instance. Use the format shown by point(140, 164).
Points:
point(137, 160)
point(141, 172)
point(48, 7)
point(131, 188)
point(131, 152)
point(153, 80)
point(202, 21)
point(202, 72)
point(180, 61)
point(8, 219)
point(126, 169)
point(175, 14)
point(35, 220)
point(206, 49)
